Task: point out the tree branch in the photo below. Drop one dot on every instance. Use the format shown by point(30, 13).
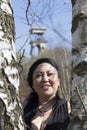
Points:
point(78, 92)
point(27, 12)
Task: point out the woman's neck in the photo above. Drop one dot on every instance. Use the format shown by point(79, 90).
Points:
point(45, 100)
point(46, 106)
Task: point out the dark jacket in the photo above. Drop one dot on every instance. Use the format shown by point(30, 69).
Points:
point(59, 120)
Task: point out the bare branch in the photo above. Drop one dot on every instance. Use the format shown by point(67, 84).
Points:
point(27, 12)
point(78, 92)
point(24, 43)
point(22, 56)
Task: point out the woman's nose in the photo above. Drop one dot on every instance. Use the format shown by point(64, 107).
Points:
point(45, 77)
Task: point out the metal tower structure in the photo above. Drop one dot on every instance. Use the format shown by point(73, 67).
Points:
point(38, 39)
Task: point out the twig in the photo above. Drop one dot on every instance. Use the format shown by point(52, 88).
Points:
point(21, 57)
point(78, 92)
point(27, 12)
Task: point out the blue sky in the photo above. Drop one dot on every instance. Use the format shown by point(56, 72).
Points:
point(60, 20)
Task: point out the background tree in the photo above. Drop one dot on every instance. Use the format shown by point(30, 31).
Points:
point(10, 106)
point(79, 65)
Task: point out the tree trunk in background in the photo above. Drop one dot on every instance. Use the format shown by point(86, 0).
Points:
point(10, 106)
point(79, 65)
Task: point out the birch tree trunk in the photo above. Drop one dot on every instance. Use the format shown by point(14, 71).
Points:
point(79, 65)
point(10, 106)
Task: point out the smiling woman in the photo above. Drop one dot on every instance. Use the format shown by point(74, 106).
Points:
point(45, 110)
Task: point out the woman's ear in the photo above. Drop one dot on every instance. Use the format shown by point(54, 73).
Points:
point(69, 107)
point(58, 82)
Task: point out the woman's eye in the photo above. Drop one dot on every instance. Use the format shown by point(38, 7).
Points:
point(38, 75)
point(50, 74)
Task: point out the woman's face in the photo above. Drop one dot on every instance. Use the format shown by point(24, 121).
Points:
point(45, 80)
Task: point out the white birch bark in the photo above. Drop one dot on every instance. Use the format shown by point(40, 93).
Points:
point(79, 65)
point(9, 79)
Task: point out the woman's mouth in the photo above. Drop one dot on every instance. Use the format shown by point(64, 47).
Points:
point(45, 86)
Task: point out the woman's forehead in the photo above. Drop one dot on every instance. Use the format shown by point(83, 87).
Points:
point(46, 66)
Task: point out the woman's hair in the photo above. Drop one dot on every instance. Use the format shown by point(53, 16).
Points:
point(34, 66)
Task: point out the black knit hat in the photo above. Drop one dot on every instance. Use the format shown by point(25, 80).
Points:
point(34, 66)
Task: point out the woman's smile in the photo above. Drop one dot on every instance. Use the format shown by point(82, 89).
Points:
point(45, 86)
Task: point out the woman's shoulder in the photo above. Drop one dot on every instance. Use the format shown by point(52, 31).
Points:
point(63, 102)
point(62, 109)
point(60, 117)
